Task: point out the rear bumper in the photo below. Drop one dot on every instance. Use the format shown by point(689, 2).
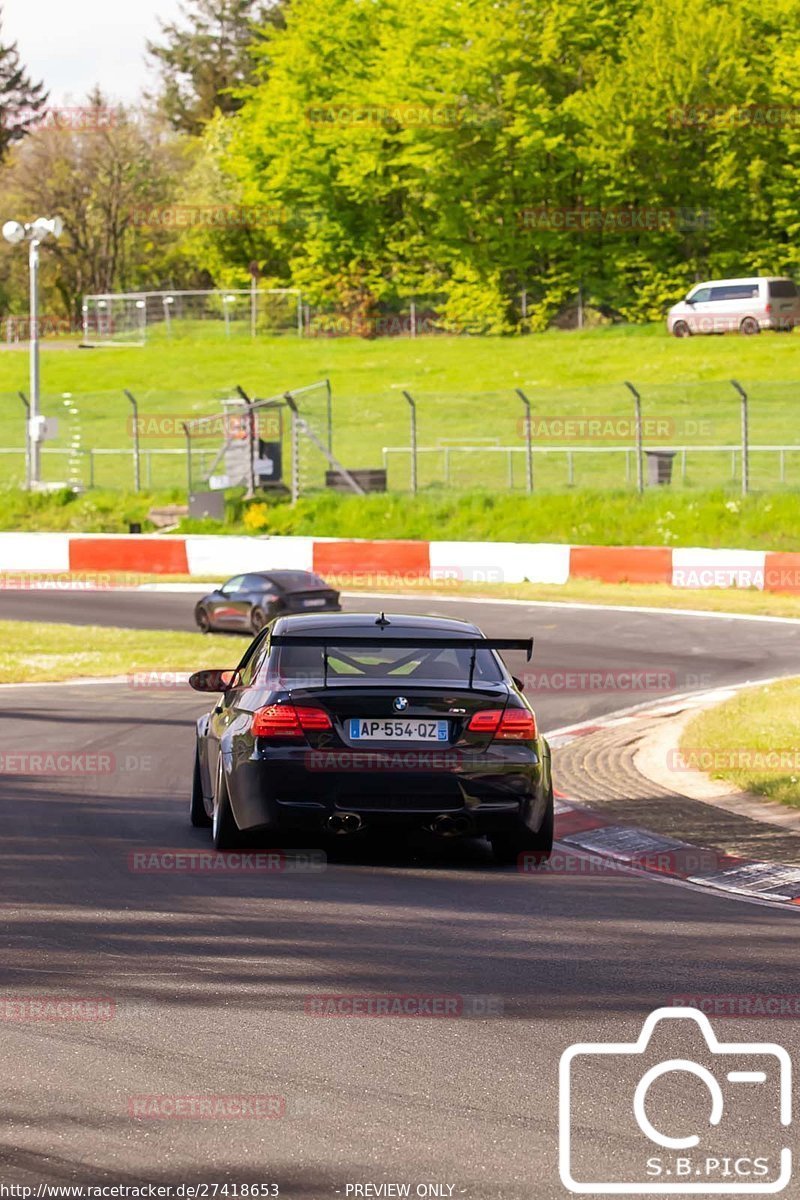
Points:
point(301, 789)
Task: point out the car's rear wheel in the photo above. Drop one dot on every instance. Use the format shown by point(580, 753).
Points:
point(197, 809)
point(224, 829)
point(258, 619)
point(203, 620)
point(749, 326)
point(681, 329)
point(507, 847)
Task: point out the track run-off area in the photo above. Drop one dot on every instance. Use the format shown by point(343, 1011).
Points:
point(208, 983)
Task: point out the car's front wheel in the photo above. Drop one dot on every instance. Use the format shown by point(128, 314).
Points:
point(203, 620)
point(224, 830)
point(681, 329)
point(197, 809)
point(507, 847)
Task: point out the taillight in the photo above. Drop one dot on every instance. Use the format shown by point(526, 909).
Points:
point(288, 721)
point(511, 725)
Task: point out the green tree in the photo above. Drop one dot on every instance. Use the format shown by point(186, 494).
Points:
point(205, 59)
point(21, 100)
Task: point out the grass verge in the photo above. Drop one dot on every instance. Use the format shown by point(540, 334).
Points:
point(583, 517)
point(34, 652)
point(754, 739)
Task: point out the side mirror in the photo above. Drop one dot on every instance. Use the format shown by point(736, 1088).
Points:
point(517, 683)
point(688, 301)
point(214, 681)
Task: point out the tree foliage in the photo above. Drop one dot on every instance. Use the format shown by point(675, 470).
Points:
point(476, 149)
point(205, 59)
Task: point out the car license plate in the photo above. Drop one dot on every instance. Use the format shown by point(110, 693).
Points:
point(366, 729)
point(314, 603)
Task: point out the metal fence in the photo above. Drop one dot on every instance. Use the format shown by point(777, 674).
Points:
point(704, 435)
point(134, 318)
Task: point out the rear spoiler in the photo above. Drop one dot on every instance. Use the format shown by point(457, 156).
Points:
point(405, 643)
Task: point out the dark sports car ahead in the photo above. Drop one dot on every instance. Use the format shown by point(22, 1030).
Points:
point(249, 602)
point(346, 723)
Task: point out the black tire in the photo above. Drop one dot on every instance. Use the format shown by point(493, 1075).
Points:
point(203, 620)
point(197, 809)
point(681, 329)
point(507, 847)
point(258, 619)
point(224, 830)
point(749, 326)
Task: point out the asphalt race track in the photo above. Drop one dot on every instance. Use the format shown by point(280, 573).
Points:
point(208, 980)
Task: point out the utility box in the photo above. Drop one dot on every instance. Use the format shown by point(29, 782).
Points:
point(371, 479)
point(207, 504)
point(659, 466)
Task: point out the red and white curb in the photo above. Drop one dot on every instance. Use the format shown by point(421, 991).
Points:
point(367, 561)
point(641, 850)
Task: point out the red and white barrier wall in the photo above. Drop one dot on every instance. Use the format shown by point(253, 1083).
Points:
point(377, 562)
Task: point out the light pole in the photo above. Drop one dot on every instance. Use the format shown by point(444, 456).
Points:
point(34, 233)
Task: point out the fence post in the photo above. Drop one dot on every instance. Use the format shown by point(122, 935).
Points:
point(137, 476)
point(745, 438)
point(251, 444)
point(413, 407)
point(25, 401)
point(528, 435)
point(188, 434)
point(330, 414)
point(637, 403)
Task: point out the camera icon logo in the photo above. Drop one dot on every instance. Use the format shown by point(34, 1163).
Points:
point(631, 1123)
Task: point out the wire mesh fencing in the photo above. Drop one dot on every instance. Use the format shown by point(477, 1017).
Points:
point(698, 435)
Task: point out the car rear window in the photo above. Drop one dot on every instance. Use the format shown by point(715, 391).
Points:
point(376, 664)
point(735, 291)
point(782, 289)
point(295, 581)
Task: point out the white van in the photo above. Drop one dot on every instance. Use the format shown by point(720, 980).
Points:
point(737, 305)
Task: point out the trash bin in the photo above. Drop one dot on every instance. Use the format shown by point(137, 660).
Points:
point(659, 466)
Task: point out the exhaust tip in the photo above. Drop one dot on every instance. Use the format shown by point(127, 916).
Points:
point(344, 823)
point(446, 826)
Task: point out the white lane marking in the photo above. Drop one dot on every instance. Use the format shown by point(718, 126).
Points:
point(577, 604)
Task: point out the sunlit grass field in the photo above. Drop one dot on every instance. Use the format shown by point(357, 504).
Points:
point(465, 389)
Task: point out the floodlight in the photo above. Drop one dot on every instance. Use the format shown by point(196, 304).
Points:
point(13, 232)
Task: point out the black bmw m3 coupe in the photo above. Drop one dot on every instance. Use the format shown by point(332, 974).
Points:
point(346, 723)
